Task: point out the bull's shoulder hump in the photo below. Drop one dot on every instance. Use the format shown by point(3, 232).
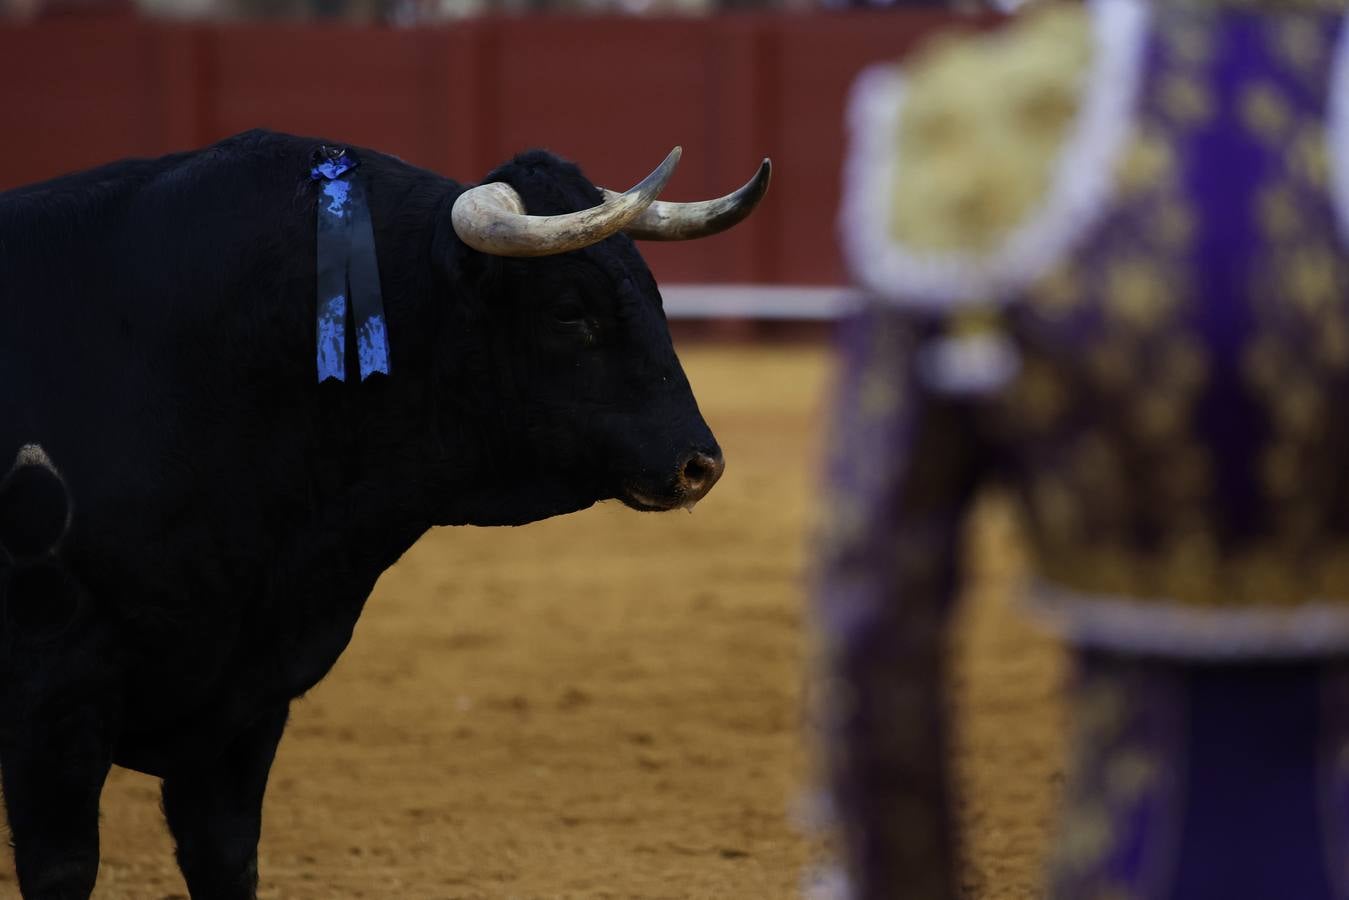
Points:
point(966, 165)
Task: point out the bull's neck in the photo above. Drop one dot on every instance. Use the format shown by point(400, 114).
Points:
point(379, 433)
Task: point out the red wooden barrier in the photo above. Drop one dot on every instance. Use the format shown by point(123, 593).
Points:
point(612, 93)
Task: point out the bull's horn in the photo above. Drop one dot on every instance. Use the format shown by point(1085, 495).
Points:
point(666, 221)
point(491, 217)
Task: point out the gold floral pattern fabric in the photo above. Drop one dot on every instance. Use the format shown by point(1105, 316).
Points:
point(1174, 432)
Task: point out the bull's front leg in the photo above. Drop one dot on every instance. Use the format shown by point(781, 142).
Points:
point(53, 767)
point(215, 812)
point(59, 717)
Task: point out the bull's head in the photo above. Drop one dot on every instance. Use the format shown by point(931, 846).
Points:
point(580, 329)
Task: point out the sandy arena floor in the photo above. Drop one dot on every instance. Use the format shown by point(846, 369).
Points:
point(608, 705)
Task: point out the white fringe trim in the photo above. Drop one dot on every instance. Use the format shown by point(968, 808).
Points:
point(1165, 628)
point(1337, 131)
point(1084, 181)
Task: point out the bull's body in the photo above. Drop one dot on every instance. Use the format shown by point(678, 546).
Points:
point(230, 513)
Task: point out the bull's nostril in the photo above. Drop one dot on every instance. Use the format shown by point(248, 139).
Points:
point(699, 472)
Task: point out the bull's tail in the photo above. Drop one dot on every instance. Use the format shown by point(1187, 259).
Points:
point(38, 595)
point(34, 508)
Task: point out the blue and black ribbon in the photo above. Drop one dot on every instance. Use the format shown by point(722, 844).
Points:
point(347, 270)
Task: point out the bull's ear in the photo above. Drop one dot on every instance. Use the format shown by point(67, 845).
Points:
point(472, 276)
point(464, 268)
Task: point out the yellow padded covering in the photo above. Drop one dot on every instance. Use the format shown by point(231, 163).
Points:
point(984, 119)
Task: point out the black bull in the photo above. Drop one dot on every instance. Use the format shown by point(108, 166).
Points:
point(219, 516)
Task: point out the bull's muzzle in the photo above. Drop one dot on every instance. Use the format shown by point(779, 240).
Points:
point(694, 475)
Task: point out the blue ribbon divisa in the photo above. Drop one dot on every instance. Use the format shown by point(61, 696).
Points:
point(347, 270)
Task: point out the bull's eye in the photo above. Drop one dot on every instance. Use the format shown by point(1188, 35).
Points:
point(570, 317)
point(569, 311)
point(585, 329)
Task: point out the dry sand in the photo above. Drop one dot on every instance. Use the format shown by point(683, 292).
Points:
point(608, 705)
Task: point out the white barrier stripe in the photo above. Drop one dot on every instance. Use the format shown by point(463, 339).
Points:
point(757, 301)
